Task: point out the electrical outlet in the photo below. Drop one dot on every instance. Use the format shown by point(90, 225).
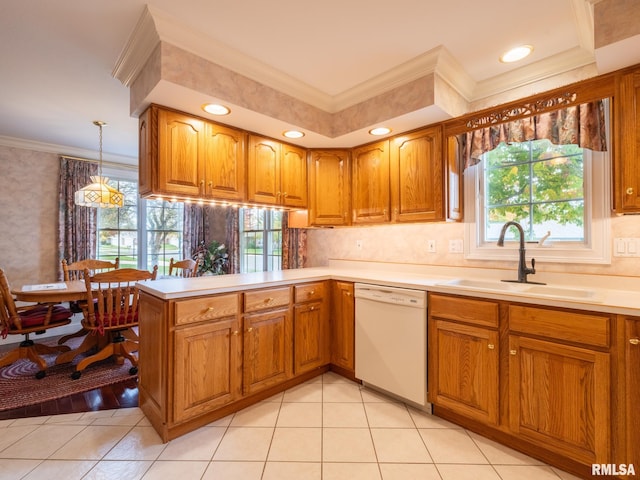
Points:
point(455, 246)
point(431, 246)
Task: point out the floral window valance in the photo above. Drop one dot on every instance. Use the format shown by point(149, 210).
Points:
point(583, 125)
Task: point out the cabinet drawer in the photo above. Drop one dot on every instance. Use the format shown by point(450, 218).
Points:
point(308, 292)
point(264, 299)
point(207, 308)
point(590, 329)
point(478, 312)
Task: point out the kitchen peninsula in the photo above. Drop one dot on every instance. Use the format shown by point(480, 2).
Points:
point(213, 345)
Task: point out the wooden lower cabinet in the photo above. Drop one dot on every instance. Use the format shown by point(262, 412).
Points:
point(559, 398)
point(465, 361)
point(310, 327)
point(343, 326)
point(631, 383)
point(268, 349)
point(207, 367)
point(463, 356)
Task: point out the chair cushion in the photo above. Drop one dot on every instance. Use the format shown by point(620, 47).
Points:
point(114, 320)
point(36, 316)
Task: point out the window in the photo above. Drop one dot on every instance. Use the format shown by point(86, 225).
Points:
point(142, 233)
point(560, 190)
point(537, 184)
point(260, 240)
point(118, 227)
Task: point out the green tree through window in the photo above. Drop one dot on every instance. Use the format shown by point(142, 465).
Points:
point(539, 185)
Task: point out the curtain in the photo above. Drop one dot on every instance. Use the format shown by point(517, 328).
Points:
point(233, 239)
point(294, 245)
point(193, 229)
point(205, 223)
point(77, 226)
point(583, 125)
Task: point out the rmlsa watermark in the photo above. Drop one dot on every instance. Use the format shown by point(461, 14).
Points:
point(613, 469)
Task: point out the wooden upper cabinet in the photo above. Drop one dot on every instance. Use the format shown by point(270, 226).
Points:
point(370, 183)
point(293, 176)
point(224, 167)
point(626, 168)
point(189, 157)
point(329, 187)
point(454, 184)
point(276, 173)
point(180, 153)
point(416, 176)
point(145, 153)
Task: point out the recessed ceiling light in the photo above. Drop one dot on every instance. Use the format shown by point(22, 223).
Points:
point(293, 134)
point(216, 109)
point(517, 53)
point(380, 131)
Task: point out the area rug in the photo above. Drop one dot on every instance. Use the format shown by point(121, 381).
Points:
point(20, 388)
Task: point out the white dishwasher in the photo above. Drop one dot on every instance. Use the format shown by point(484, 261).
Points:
point(391, 340)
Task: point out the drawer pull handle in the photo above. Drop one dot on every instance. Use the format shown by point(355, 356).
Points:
point(513, 352)
point(634, 341)
point(630, 191)
point(491, 346)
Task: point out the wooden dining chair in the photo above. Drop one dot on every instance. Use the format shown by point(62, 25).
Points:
point(75, 271)
point(111, 308)
point(25, 320)
point(184, 268)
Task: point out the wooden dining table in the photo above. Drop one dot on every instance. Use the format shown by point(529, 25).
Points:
point(57, 292)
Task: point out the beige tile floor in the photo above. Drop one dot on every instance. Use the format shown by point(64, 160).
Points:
point(328, 428)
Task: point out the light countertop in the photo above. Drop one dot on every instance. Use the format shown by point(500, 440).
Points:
point(621, 296)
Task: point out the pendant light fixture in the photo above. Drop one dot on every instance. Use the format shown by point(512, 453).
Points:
point(98, 194)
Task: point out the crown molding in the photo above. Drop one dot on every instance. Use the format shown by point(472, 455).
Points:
point(62, 150)
point(140, 44)
point(555, 66)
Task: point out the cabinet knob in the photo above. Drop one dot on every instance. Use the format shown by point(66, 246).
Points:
point(313, 308)
point(268, 300)
point(348, 294)
point(630, 191)
point(513, 352)
point(210, 309)
point(285, 194)
point(236, 333)
point(312, 292)
point(491, 346)
point(634, 341)
point(249, 330)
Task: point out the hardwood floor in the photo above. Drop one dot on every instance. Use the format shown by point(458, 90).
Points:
point(118, 395)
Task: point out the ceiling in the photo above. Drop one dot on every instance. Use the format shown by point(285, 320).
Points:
point(58, 59)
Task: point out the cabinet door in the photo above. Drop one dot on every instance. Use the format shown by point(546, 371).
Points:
point(309, 337)
point(206, 367)
point(263, 171)
point(632, 384)
point(463, 369)
point(180, 152)
point(329, 187)
point(267, 349)
point(370, 183)
point(559, 398)
point(343, 326)
point(627, 142)
point(416, 176)
point(224, 162)
point(293, 176)
point(145, 156)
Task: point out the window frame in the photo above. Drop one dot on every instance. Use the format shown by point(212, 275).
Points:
point(596, 248)
point(266, 232)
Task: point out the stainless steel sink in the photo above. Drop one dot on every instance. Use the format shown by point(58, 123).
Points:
point(561, 292)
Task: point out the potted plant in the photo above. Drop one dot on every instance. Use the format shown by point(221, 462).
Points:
point(213, 259)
